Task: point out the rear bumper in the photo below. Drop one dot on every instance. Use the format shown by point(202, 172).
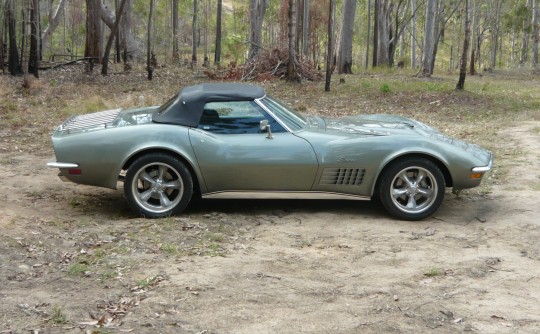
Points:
point(62, 165)
point(56, 164)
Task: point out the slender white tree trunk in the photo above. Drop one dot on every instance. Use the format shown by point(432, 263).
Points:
point(413, 34)
point(429, 39)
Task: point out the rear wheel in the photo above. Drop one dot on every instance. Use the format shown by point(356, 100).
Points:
point(412, 188)
point(158, 185)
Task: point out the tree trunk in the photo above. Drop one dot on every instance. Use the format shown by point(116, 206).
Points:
point(14, 65)
point(383, 38)
point(429, 39)
point(257, 9)
point(33, 64)
point(292, 74)
point(346, 39)
point(535, 35)
point(413, 34)
point(305, 29)
point(466, 41)
point(149, 42)
point(217, 52)
point(194, 35)
point(525, 38)
point(377, 7)
point(495, 28)
point(368, 34)
point(206, 5)
point(330, 50)
point(54, 20)
point(175, 46)
point(114, 32)
point(93, 33)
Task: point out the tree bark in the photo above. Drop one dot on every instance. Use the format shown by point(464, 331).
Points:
point(33, 64)
point(383, 37)
point(525, 38)
point(466, 41)
point(149, 67)
point(376, 9)
point(217, 52)
point(413, 34)
point(292, 74)
point(368, 43)
point(330, 50)
point(535, 35)
point(194, 33)
point(429, 39)
point(305, 29)
point(114, 32)
point(14, 64)
point(257, 9)
point(176, 50)
point(93, 33)
point(346, 38)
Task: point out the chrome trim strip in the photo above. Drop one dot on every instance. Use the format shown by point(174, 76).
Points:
point(282, 195)
point(484, 169)
point(265, 108)
point(55, 164)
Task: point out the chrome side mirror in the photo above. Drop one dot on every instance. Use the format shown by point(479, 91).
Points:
point(264, 126)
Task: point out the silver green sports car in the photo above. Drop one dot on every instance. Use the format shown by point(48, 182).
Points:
point(233, 140)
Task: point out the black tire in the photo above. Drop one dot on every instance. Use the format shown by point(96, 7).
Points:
point(158, 185)
point(411, 188)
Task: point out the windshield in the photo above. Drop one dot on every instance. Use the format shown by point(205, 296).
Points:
point(293, 120)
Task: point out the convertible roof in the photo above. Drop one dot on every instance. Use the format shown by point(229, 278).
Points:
point(187, 106)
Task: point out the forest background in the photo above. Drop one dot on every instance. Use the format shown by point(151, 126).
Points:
point(297, 37)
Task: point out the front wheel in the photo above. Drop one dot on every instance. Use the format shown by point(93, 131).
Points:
point(158, 185)
point(412, 189)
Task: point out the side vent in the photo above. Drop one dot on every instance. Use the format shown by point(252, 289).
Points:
point(342, 176)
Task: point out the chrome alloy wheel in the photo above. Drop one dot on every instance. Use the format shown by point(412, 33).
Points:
point(157, 187)
point(414, 190)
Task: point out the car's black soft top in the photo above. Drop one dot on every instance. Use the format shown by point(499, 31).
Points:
point(187, 106)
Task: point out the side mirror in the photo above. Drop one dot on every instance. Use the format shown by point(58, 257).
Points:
point(264, 126)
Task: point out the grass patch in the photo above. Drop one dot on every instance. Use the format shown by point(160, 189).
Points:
point(58, 317)
point(77, 269)
point(434, 272)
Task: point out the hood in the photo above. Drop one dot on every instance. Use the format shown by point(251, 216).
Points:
point(390, 125)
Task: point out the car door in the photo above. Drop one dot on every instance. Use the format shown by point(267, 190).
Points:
point(233, 154)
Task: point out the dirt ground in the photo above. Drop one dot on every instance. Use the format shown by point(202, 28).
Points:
point(74, 259)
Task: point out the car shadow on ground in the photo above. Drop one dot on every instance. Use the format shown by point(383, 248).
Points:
point(264, 206)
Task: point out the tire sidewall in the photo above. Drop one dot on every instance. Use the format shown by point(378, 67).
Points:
point(388, 177)
point(158, 158)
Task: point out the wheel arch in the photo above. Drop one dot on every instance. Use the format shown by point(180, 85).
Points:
point(438, 162)
point(189, 165)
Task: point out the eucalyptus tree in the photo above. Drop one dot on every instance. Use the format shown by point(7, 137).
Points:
point(54, 16)
point(175, 32)
point(429, 39)
point(14, 65)
point(194, 32)
point(217, 51)
point(92, 49)
point(466, 41)
point(535, 35)
point(257, 9)
point(35, 38)
point(292, 70)
point(344, 61)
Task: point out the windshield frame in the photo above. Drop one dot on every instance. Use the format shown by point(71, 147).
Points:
point(289, 119)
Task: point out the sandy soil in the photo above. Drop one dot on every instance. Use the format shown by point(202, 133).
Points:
point(74, 259)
